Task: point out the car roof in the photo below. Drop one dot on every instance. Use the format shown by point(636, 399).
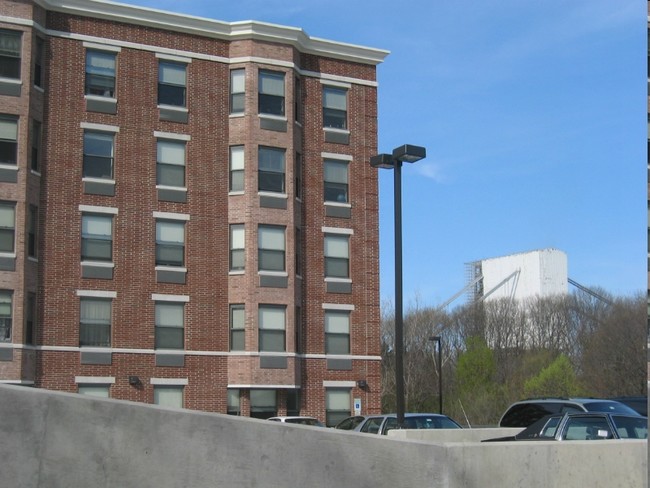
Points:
point(289, 417)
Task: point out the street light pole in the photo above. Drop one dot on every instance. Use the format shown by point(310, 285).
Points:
point(410, 154)
point(399, 309)
point(438, 340)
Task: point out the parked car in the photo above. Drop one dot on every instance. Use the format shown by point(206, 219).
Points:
point(381, 424)
point(582, 427)
point(526, 412)
point(350, 423)
point(638, 403)
point(298, 420)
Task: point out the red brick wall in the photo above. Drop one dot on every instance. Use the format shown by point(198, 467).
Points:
point(208, 284)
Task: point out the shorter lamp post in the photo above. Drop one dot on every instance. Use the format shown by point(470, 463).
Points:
point(438, 339)
point(406, 153)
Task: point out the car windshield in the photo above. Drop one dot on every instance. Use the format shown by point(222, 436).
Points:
point(631, 427)
point(611, 407)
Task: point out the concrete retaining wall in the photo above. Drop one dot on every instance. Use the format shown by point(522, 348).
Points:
point(52, 439)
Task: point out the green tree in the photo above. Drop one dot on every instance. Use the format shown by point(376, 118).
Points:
point(557, 379)
point(475, 380)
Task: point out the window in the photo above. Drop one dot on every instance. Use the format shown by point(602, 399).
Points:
point(101, 391)
point(298, 251)
point(32, 229)
point(337, 332)
point(337, 256)
point(35, 139)
point(10, 54)
point(271, 93)
point(95, 322)
point(171, 83)
point(337, 405)
point(237, 91)
point(98, 155)
point(170, 167)
point(297, 101)
point(263, 404)
point(234, 407)
point(39, 58)
point(8, 139)
point(237, 168)
point(30, 317)
point(336, 181)
point(100, 73)
point(271, 169)
point(271, 248)
point(297, 172)
point(6, 314)
point(168, 396)
point(335, 107)
point(96, 237)
point(298, 330)
point(169, 322)
point(170, 243)
point(237, 249)
point(7, 227)
point(271, 325)
point(237, 324)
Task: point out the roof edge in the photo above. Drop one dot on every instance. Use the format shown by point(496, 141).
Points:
point(231, 31)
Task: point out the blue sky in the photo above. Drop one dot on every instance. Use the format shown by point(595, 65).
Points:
point(533, 114)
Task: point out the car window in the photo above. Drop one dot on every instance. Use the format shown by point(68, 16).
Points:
point(372, 425)
point(550, 428)
point(611, 407)
point(631, 427)
point(391, 423)
point(587, 429)
point(303, 421)
point(524, 414)
point(570, 408)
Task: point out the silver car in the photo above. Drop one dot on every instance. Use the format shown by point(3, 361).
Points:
point(381, 424)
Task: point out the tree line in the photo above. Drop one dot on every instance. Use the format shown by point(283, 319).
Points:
point(496, 352)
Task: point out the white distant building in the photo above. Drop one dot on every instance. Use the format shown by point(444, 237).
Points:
point(540, 273)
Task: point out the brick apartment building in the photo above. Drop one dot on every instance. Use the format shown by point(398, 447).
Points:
point(187, 212)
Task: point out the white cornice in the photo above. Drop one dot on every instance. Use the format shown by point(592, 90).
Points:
point(248, 29)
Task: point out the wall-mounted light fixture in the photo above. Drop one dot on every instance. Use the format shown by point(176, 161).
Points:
point(134, 380)
point(363, 384)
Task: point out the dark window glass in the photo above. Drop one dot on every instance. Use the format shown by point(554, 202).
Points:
point(335, 111)
point(271, 93)
point(171, 83)
point(271, 169)
point(8, 139)
point(10, 45)
point(336, 181)
point(100, 73)
point(98, 155)
point(169, 320)
point(95, 322)
point(237, 332)
point(170, 243)
point(96, 237)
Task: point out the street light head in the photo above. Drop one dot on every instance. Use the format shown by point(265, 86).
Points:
point(409, 153)
point(382, 161)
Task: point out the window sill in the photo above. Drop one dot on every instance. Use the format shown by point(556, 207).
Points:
point(337, 280)
point(281, 118)
point(239, 272)
point(272, 194)
point(235, 193)
point(98, 264)
point(179, 269)
point(283, 274)
point(337, 204)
